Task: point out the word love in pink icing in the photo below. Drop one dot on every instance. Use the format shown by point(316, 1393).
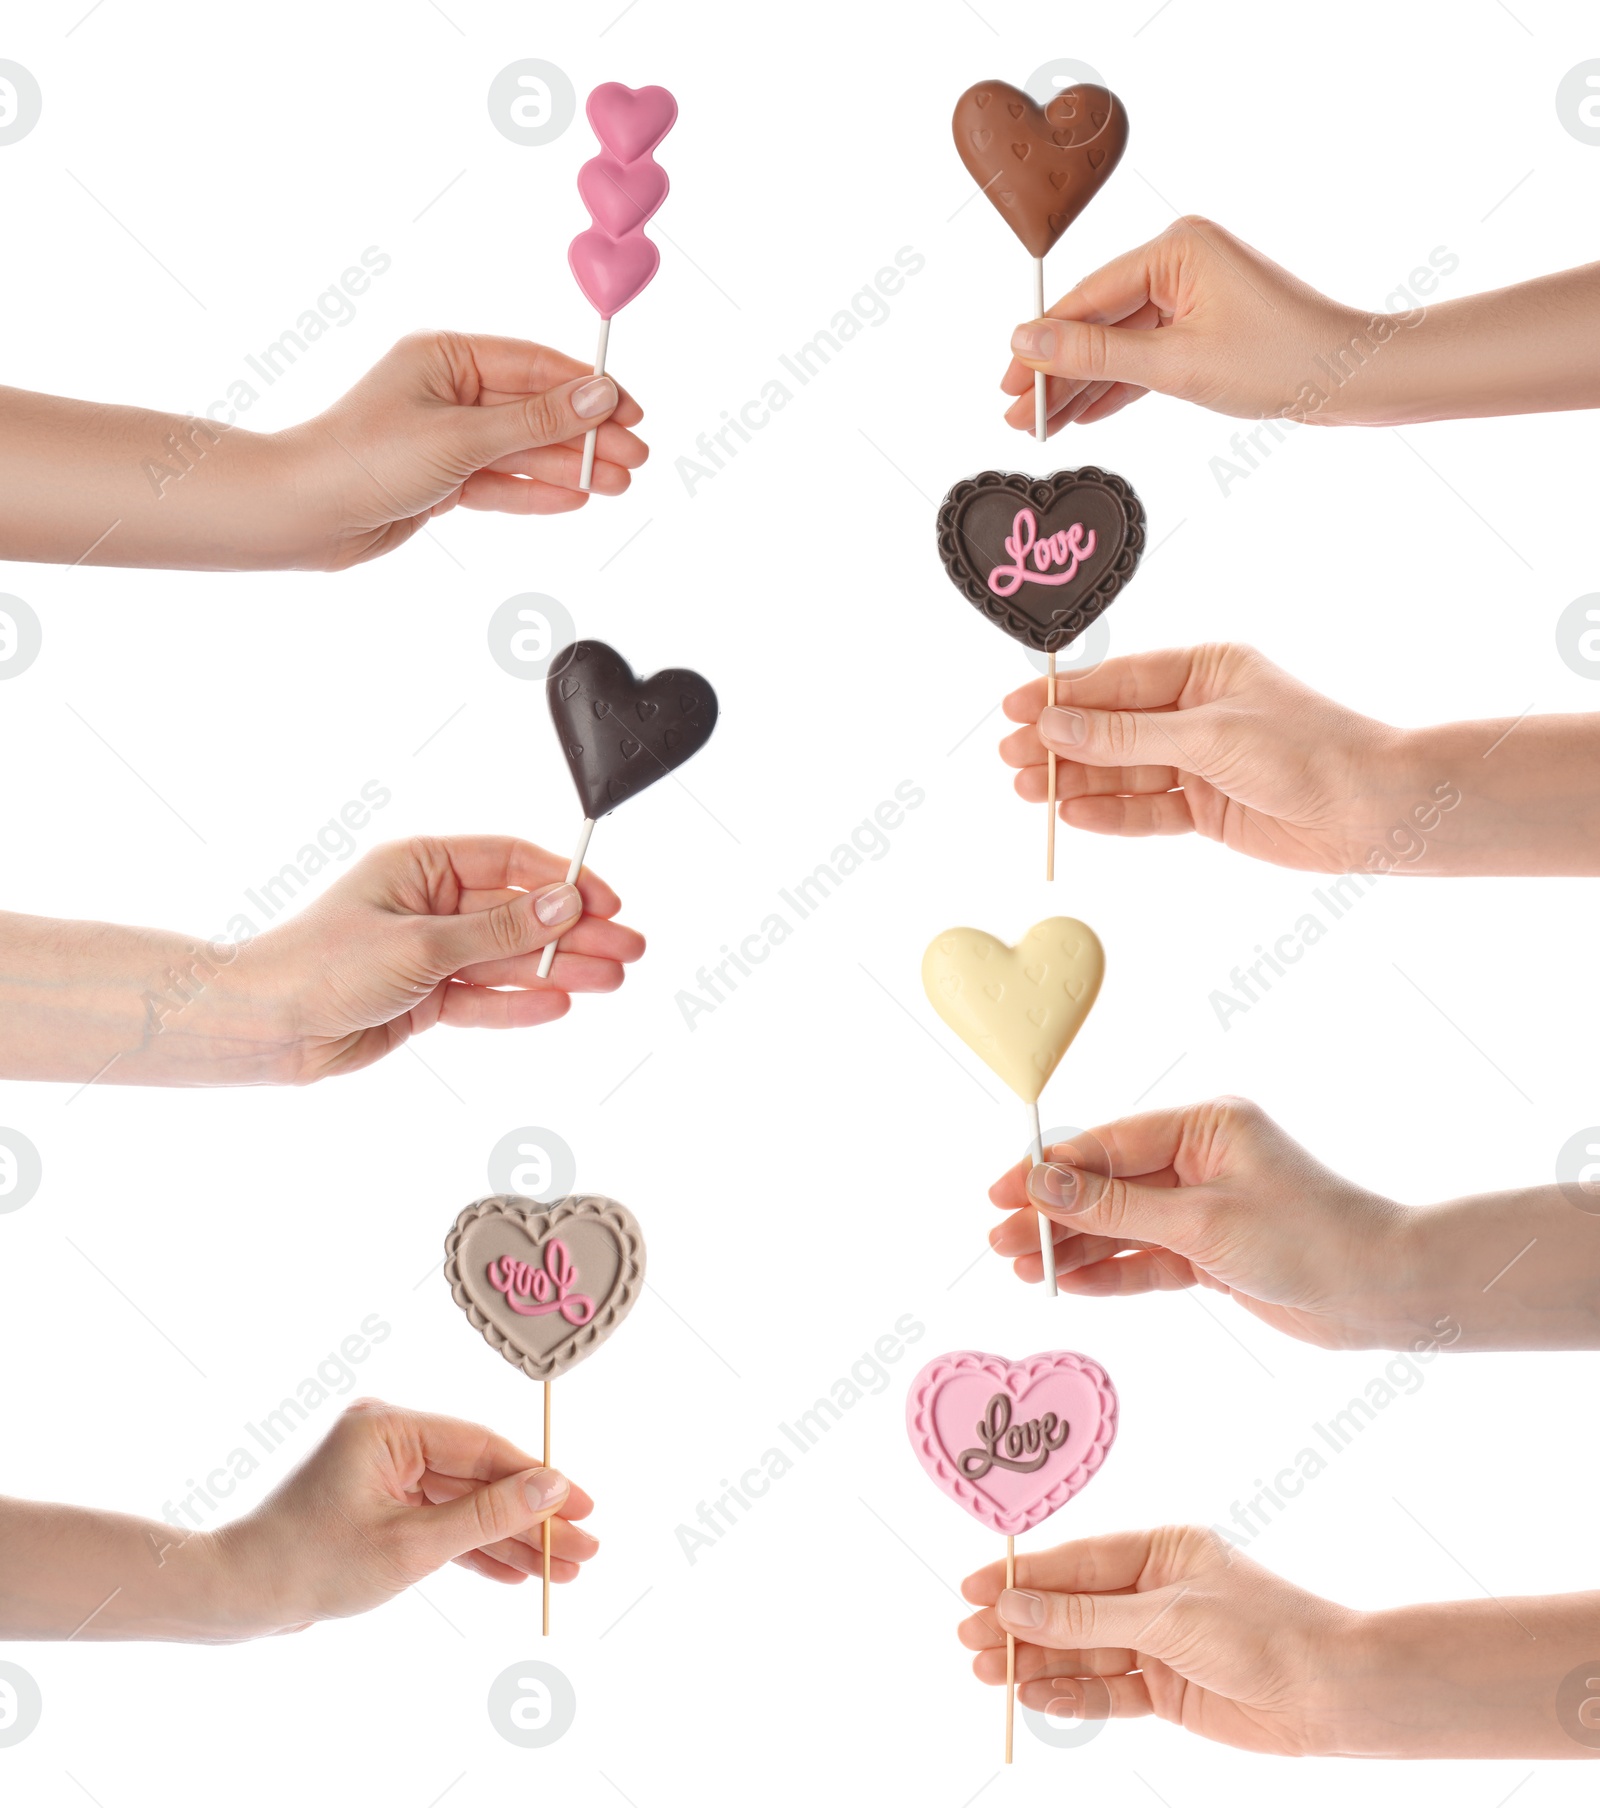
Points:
point(535, 1292)
point(1066, 550)
point(1043, 1427)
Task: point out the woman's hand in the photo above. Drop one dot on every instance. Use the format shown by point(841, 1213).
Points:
point(389, 1497)
point(386, 1499)
point(429, 931)
point(443, 419)
point(1178, 1624)
point(1217, 1196)
point(1174, 1623)
point(1216, 741)
point(455, 418)
point(1200, 315)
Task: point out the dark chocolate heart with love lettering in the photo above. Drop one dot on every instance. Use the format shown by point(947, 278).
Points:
point(545, 1284)
point(1040, 166)
point(1042, 557)
point(621, 733)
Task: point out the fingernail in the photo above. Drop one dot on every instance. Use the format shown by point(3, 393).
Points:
point(1065, 727)
point(544, 1487)
point(597, 396)
point(1056, 1188)
point(1035, 340)
point(1021, 1608)
point(557, 904)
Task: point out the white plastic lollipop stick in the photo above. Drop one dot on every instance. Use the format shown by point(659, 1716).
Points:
point(1047, 1240)
point(1050, 795)
point(594, 432)
point(1040, 425)
point(576, 867)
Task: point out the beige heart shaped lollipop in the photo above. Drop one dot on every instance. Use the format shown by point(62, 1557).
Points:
point(1017, 1009)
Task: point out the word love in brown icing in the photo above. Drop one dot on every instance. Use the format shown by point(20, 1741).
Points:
point(1022, 1448)
point(533, 1292)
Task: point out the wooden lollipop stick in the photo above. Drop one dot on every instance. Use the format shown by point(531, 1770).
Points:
point(1047, 1240)
point(1041, 429)
point(547, 958)
point(1011, 1649)
point(545, 1533)
point(1050, 800)
point(590, 437)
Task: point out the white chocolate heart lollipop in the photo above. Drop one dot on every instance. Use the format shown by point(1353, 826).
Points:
point(1018, 1009)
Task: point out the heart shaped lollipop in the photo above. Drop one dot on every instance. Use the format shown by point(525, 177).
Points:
point(1042, 558)
point(1040, 166)
point(1018, 1010)
point(546, 1285)
point(613, 261)
point(1011, 1442)
point(620, 733)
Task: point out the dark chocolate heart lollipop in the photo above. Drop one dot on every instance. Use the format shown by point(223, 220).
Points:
point(1040, 166)
point(1041, 557)
point(621, 733)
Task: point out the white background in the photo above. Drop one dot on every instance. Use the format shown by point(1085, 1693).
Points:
point(809, 1163)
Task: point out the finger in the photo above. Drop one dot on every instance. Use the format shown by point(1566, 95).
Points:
point(491, 1569)
point(1106, 1697)
point(430, 872)
point(569, 972)
point(487, 1515)
point(613, 446)
point(1034, 1662)
point(1143, 1148)
point(594, 939)
point(508, 370)
point(1089, 353)
point(1073, 780)
point(1168, 679)
point(1152, 1620)
point(491, 493)
point(1180, 1218)
point(1143, 316)
point(1142, 1271)
point(1133, 818)
point(480, 1008)
point(482, 433)
point(1018, 1236)
point(439, 1486)
point(1113, 1560)
point(520, 926)
point(1130, 737)
point(1116, 398)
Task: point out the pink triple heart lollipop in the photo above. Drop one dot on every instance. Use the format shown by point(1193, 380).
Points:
point(613, 261)
point(1011, 1442)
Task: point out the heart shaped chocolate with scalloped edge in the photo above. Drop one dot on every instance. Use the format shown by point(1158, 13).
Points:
point(1011, 1442)
point(1042, 557)
point(545, 1284)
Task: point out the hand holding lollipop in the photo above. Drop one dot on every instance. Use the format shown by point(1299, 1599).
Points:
point(1011, 1443)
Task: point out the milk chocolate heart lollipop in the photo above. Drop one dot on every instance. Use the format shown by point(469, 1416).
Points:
point(613, 261)
point(620, 733)
point(1040, 166)
point(546, 1285)
point(1018, 1009)
point(1011, 1442)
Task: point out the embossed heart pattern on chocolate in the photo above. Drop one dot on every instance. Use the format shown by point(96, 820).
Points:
point(621, 733)
point(1040, 166)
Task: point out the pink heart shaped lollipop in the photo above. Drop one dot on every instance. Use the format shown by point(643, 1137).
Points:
point(612, 271)
point(620, 196)
point(1011, 1441)
point(630, 121)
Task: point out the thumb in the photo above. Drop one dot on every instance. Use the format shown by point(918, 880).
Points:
point(1173, 1217)
point(1143, 356)
point(544, 419)
point(503, 1509)
point(1130, 737)
point(518, 926)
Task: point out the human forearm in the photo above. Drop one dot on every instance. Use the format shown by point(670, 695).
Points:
point(99, 1001)
point(1470, 1679)
point(1526, 349)
point(73, 1572)
point(90, 483)
point(1503, 1271)
point(1515, 796)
